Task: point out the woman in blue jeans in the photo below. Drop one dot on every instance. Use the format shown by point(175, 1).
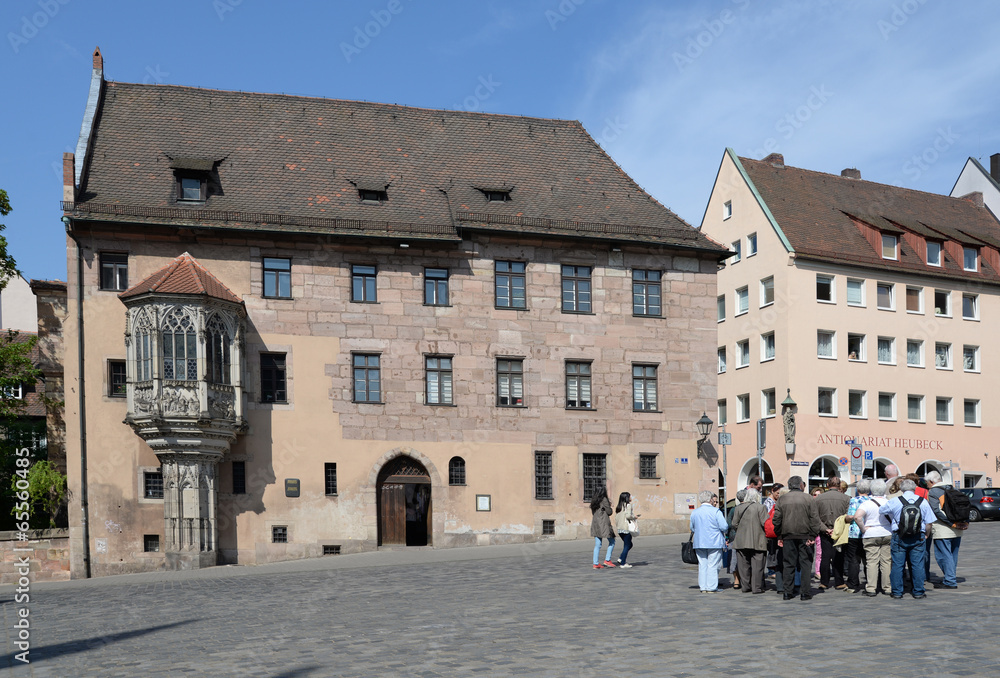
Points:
point(600, 527)
point(623, 514)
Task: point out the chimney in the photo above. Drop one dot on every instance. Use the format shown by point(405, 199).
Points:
point(68, 177)
point(976, 198)
point(776, 159)
point(851, 173)
point(995, 166)
point(98, 59)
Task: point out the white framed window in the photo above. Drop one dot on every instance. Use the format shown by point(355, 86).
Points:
point(742, 353)
point(826, 402)
point(767, 291)
point(915, 408)
point(889, 247)
point(972, 412)
point(721, 306)
point(737, 251)
point(767, 403)
point(855, 292)
point(970, 306)
point(970, 358)
point(742, 300)
point(942, 410)
point(942, 303)
point(914, 299)
point(914, 352)
point(826, 344)
point(727, 209)
point(767, 346)
point(857, 347)
point(857, 404)
point(970, 258)
point(751, 244)
point(933, 253)
point(885, 294)
point(743, 408)
point(886, 351)
point(942, 356)
point(723, 412)
point(887, 406)
point(825, 288)
point(722, 359)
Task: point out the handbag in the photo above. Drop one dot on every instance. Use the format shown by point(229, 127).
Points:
point(633, 526)
point(687, 551)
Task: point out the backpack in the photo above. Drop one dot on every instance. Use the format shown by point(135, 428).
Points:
point(769, 525)
point(910, 521)
point(956, 505)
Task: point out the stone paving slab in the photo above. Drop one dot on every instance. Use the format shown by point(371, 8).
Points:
point(526, 610)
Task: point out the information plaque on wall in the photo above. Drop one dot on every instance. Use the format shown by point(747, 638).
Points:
point(291, 487)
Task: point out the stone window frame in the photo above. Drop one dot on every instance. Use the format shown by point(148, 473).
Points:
point(551, 475)
point(365, 277)
point(253, 352)
point(277, 278)
point(580, 378)
point(140, 483)
point(457, 472)
point(510, 390)
point(435, 282)
point(368, 370)
point(576, 279)
point(441, 372)
point(109, 384)
point(583, 470)
point(646, 283)
point(510, 275)
point(274, 525)
point(640, 467)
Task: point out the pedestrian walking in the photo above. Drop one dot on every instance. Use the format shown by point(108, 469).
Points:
point(709, 528)
point(600, 527)
point(625, 523)
point(750, 542)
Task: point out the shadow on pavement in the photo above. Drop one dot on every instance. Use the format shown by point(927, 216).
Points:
point(38, 654)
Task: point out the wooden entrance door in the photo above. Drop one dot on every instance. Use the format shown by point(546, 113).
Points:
point(392, 513)
point(404, 503)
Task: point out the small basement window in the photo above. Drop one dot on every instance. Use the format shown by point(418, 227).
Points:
point(151, 543)
point(548, 528)
point(374, 197)
point(331, 549)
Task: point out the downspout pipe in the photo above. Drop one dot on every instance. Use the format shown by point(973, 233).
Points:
point(81, 393)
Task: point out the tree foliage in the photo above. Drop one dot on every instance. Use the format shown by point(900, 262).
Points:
point(8, 267)
point(47, 492)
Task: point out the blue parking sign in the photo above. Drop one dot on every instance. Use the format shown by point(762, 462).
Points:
point(869, 455)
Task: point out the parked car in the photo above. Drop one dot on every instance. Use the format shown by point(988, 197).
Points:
point(985, 502)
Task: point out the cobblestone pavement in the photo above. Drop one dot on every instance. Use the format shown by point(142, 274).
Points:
point(531, 610)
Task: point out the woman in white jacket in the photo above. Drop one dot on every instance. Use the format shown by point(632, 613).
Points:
point(624, 513)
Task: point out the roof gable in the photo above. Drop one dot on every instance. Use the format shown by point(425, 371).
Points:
point(183, 275)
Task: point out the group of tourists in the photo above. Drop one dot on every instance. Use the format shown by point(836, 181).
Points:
point(886, 531)
point(605, 523)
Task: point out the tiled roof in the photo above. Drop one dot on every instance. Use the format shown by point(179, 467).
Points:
point(817, 213)
point(286, 163)
point(183, 275)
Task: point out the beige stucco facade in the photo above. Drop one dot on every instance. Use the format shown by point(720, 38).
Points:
point(17, 306)
point(319, 329)
point(868, 363)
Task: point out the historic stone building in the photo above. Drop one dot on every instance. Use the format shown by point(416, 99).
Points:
point(873, 306)
point(312, 326)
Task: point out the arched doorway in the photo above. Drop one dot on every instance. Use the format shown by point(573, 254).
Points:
point(821, 470)
point(404, 503)
point(750, 469)
point(934, 465)
point(722, 489)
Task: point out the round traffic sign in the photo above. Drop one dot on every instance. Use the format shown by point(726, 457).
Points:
point(856, 451)
point(843, 461)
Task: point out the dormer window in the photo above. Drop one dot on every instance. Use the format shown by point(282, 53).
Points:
point(190, 188)
point(970, 259)
point(889, 247)
point(372, 197)
point(933, 253)
point(497, 196)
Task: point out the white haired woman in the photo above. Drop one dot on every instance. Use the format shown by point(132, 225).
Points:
point(750, 542)
point(709, 527)
point(876, 536)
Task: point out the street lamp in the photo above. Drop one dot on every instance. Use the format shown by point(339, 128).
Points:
point(704, 428)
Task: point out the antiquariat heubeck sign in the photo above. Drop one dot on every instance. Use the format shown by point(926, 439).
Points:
point(878, 441)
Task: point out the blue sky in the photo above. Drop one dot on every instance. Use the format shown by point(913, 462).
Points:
point(904, 90)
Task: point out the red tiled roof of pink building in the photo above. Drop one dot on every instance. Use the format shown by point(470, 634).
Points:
point(184, 275)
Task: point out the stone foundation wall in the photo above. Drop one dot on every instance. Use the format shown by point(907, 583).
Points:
point(48, 557)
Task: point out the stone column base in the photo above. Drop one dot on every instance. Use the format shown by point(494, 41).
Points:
point(189, 560)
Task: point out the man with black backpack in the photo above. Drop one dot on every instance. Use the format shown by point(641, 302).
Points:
point(912, 518)
point(951, 507)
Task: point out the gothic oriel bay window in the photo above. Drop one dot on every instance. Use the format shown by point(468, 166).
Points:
point(184, 336)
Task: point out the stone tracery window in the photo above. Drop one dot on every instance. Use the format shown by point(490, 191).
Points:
point(218, 352)
point(143, 336)
point(180, 347)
